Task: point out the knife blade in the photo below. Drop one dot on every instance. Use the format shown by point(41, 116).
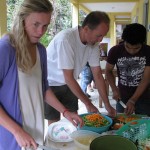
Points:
point(46, 147)
point(122, 104)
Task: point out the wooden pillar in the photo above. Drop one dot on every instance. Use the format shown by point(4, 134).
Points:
point(3, 17)
point(112, 30)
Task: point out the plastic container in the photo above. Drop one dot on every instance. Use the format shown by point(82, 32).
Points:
point(112, 142)
point(98, 129)
point(83, 138)
point(135, 130)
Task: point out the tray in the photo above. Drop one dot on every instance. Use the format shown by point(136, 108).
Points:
point(122, 119)
point(137, 131)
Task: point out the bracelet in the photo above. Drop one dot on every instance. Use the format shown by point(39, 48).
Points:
point(64, 112)
point(131, 101)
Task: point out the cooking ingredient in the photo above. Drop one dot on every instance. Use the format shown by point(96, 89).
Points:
point(95, 120)
point(126, 119)
point(116, 126)
point(144, 144)
point(121, 120)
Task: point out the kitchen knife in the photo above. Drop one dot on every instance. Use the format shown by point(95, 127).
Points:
point(46, 147)
point(122, 103)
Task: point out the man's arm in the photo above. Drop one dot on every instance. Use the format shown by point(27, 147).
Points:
point(76, 89)
point(142, 86)
point(101, 86)
point(111, 80)
point(139, 91)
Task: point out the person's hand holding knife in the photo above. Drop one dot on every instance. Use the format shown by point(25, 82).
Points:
point(130, 107)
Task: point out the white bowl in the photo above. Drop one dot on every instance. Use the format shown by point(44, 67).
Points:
point(83, 138)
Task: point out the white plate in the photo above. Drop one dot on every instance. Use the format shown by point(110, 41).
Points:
point(60, 131)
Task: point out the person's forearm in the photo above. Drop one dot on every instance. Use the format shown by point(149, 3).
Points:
point(76, 89)
point(139, 91)
point(111, 80)
point(145, 82)
point(52, 100)
point(101, 86)
point(7, 122)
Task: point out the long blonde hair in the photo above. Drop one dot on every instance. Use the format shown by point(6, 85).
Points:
point(18, 36)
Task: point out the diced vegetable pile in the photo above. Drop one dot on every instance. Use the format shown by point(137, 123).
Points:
point(95, 120)
point(126, 119)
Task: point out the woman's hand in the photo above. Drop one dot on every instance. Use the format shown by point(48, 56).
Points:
point(24, 139)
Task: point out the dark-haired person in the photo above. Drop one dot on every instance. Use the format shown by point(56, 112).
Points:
point(67, 54)
point(23, 79)
point(132, 59)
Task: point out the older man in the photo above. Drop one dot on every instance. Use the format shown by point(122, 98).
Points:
point(67, 54)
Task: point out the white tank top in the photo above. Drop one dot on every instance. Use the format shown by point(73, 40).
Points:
point(31, 99)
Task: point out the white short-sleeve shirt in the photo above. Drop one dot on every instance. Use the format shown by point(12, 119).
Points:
point(66, 51)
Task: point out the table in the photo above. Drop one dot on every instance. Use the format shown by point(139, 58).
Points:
point(71, 145)
point(61, 146)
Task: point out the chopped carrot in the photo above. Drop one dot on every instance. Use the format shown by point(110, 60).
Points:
point(133, 122)
point(95, 120)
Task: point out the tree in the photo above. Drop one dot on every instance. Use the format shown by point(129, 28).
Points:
point(12, 7)
point(61, 18)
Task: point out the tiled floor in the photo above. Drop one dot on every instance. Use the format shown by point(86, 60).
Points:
point(95, 100)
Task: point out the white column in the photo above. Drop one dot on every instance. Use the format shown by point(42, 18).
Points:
point(112, 30)
point(75, 15)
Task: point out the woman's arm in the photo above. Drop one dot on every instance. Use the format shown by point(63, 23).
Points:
point(22, 137)
point(51, 99)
